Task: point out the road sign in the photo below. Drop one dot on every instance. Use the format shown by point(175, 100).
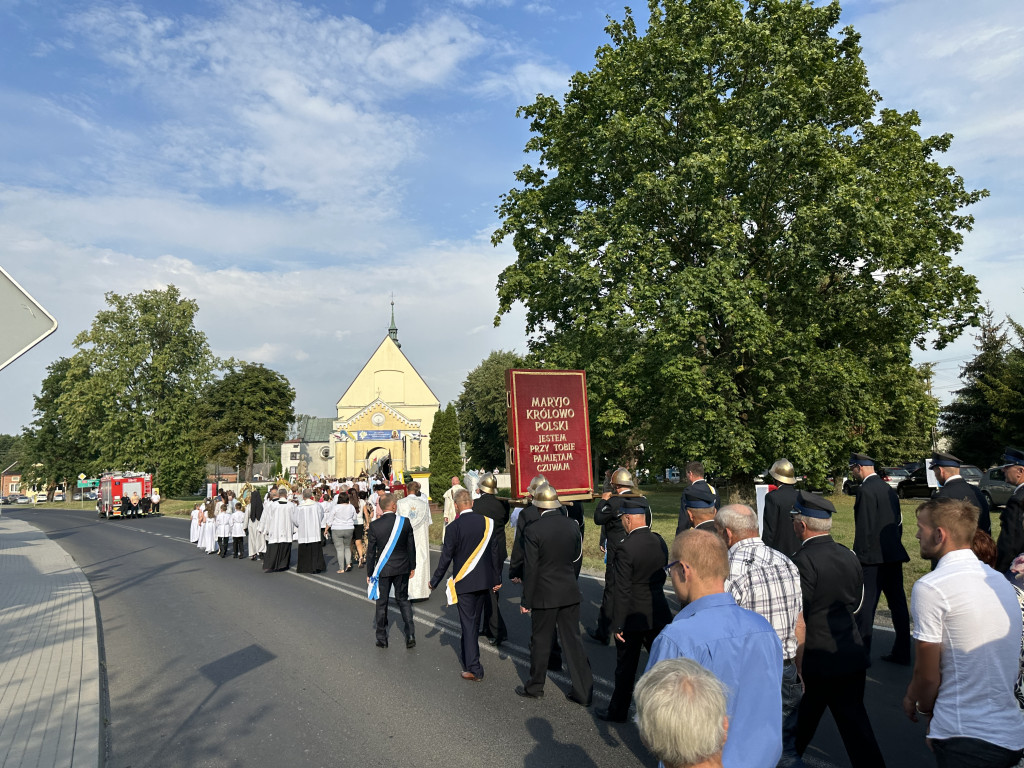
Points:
point(24, 321)
point(82, 476)
point(88, 483)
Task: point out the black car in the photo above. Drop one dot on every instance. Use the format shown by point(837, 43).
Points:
point(916, 486)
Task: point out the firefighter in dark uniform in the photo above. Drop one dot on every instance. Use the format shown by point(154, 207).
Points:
point(529, 515)
point(832, 659)
point(695, 476)
point(1011, 520)
point(877, 542)
point(778, 530)
point(952, 485)
point(639, 608)
point(489, 505)
point(608, 515)
point(699, 504)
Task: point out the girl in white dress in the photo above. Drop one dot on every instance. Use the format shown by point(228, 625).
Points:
point(193, 529)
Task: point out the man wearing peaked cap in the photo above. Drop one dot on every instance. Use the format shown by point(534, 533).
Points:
point(699, 503)
point(832, 661)
point(695, 478)
point(1011, 520)
point(878, 543)
point(952, 485)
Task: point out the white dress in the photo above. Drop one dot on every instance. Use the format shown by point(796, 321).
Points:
point(208, 535)
point(193, 529)
point(417, 510)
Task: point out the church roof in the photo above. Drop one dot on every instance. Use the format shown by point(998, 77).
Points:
point(311, 429)
point(397, 348)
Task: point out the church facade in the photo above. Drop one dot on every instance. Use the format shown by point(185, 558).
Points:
point(387, 410)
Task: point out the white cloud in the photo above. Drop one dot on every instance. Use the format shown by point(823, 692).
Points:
point(524, 81)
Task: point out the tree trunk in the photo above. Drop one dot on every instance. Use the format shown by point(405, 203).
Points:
point(248, 461)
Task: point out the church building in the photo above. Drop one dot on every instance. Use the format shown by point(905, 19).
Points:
point(387, 410)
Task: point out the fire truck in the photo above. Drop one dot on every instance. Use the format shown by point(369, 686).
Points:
point(117, 485)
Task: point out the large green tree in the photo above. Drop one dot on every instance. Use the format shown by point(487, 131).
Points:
point(445, 454)
point(135, 384)
point(987, 412)
point(741, 248)
point(249, 404)
point(49, 451)
point(483, 409)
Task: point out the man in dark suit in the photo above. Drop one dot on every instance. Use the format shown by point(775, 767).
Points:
point(639, 607)
point(551, 546)
point(777, 529)
point(471, 548)
point(395, 567)
point(877, 542)
point(832, 659)
point(1011, 520)
point(608, 514)
point(952, 485)
point(527, 516)
point(695, 478)
point(489, 505)
point(700, 504)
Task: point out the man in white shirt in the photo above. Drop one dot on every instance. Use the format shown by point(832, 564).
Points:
point(967, 628)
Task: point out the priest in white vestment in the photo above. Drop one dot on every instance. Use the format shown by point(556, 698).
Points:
point(308, 519)
point(277, 527)
point(416, 507)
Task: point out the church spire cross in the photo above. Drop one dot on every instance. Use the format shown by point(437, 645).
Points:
point(393, 330)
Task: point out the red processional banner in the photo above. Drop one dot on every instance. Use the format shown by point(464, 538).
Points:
point(549, 431)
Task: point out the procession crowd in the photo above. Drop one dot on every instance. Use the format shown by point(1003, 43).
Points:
point(776, 619)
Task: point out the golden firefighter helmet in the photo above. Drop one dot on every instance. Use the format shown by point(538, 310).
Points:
point(622, 477)
point(535, 483)
point(546, 497)
point(488, 484)
point(782, 470)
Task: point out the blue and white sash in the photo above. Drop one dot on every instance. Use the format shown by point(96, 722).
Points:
point(372, 591)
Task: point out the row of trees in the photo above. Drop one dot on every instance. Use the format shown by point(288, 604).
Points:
point(144, 392)
point(722, 226)
point(987, 413)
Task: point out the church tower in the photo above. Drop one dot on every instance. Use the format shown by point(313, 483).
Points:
point(388, 408)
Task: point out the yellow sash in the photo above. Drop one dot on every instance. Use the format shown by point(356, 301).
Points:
point(470, 564)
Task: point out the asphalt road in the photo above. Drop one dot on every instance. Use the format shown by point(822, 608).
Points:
point(211, 662)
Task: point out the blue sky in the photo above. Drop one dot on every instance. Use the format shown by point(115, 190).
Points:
point(289, 164)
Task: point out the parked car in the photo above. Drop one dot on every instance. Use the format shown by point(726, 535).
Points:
point(894, 475)
point(5, 500)
point(971, 474)
point(22, 499)
point(58, 496)
point(994, 488)
point(915, 486)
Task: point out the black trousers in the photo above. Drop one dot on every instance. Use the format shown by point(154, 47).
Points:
point(493, 625)
point(627, 659)
point(471, 606)
point(239, 546)
point(604, 618)
point(844, 697)
point(566, 619)
point(885, 579)
point(401, 584)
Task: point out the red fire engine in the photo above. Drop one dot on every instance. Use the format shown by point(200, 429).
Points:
point(117, 485)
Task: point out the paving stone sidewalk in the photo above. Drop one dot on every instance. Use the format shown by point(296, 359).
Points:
point(49, 655)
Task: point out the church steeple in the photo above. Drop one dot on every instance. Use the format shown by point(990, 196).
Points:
point(393, 330)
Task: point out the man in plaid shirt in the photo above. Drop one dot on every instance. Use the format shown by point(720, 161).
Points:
point(767, 582)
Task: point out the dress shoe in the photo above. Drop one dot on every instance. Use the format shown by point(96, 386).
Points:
point(892, 658)
point(410, 642)
point(521, 691)
point(381, 644)
point(596, 637)
point(582, 703)
point(609, 716)
point(495, 641)
point(471, 677)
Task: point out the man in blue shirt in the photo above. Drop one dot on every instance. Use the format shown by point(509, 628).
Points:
point(738, 646)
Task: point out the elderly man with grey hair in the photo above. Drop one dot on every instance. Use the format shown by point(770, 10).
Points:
point(680, 712)
point(767, 582)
